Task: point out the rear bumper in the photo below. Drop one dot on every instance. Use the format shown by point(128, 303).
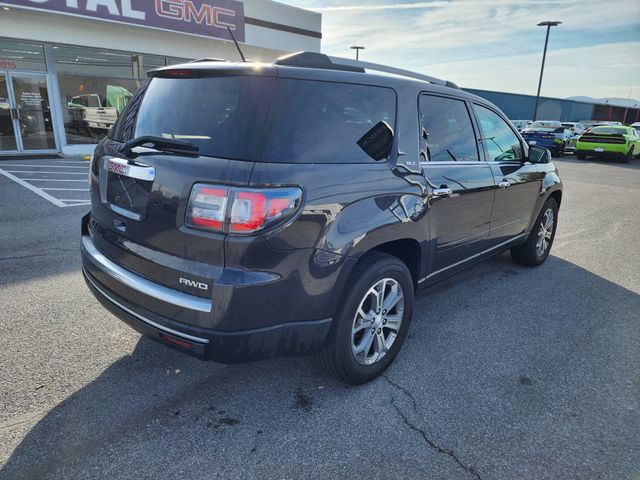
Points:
point(610, 150)
point(152, 309)
point(288, 339)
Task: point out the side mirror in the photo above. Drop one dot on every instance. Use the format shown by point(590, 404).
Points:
point(539, 154)
point(377, 142)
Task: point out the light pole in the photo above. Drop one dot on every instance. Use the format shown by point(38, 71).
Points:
point(357, 49)
point(544, 55)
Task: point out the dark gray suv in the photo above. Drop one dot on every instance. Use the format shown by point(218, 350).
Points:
point(245, 211)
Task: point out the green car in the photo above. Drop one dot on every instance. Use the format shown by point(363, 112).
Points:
point(607, 141)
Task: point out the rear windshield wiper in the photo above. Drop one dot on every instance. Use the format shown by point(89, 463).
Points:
point(161, 144)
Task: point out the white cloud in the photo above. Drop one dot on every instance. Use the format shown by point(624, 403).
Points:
point(597, 71)
point(492, 44)
point(423, 5)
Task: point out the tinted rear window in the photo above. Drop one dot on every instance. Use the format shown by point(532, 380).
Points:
point(609, 130)
point(321, 122)
point(222, 116)
point(266, 119)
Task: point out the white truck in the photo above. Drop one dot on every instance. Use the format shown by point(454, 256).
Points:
point(96, 114)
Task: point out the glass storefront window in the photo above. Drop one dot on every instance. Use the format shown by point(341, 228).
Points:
point(177, 60)
point(19, 55)
point(149, 62)
point(95, 87)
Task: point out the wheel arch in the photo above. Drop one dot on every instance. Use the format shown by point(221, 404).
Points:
point(557, 196)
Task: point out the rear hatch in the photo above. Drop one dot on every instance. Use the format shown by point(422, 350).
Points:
point(605, 135)
point(140, 195)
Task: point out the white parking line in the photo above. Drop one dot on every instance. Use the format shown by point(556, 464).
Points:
point(54, 180)
point(40, 166)
point(53, 173)
point(36, 190)
point(23, 173)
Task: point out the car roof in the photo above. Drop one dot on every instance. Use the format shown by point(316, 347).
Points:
point(214, 67)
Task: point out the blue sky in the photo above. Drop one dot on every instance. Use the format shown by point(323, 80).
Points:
point(495, 45)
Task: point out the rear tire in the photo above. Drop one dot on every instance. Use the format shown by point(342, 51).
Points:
point(536, 249)
point(360, 347)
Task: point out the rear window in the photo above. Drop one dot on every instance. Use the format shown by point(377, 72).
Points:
point(221, 116)
point(547, 129)
point(609, 130)
point(266, 119)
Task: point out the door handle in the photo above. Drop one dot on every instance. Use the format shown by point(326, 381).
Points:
point(442, 192)
point(504, 184)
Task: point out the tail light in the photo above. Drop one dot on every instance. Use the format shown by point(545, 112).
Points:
point(240, 210)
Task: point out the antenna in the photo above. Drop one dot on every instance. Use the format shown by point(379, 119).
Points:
point(237, 46)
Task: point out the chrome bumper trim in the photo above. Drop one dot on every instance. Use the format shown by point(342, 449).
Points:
point(141, 284)
point(140, 317)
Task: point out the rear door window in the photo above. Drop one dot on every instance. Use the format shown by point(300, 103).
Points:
point(268, 119)
point(322, 122)
point(447, 126)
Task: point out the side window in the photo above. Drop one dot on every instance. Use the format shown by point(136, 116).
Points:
point(448, 129)
point(500, 141)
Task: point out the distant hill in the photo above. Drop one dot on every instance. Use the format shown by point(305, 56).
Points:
point(619, 102)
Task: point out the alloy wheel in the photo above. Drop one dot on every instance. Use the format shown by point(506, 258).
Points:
point(377, 321)
point(545, 232)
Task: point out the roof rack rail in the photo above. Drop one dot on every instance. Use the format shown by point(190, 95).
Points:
point(207, 59)
point(395, 71)
point(314, 60)
point(320, 60)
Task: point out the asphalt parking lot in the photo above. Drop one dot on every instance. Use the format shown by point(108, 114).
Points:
point(508, 372)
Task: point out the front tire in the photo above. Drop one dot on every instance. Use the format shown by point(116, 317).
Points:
point(372, 320)
point(580, 155)
point(538, 245)
point(628, 156)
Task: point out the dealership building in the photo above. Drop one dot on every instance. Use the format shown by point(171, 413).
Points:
point(68, 67)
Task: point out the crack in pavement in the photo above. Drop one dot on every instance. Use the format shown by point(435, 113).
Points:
point(406, 392)
point(467, 468)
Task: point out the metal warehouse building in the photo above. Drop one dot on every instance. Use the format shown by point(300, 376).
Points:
point(520, 107)
point(68, 67)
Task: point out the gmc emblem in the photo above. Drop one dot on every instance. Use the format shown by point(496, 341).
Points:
point(193, 283)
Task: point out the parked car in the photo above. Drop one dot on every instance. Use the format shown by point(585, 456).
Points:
point(576, 130)
point(636, 125)
point(27, 121)
point(521, 124)
point(548, 134)
point(245, 211)
point(605, 141)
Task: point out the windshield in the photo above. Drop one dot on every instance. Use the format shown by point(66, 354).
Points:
point(609, 130)
point(266, 119)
